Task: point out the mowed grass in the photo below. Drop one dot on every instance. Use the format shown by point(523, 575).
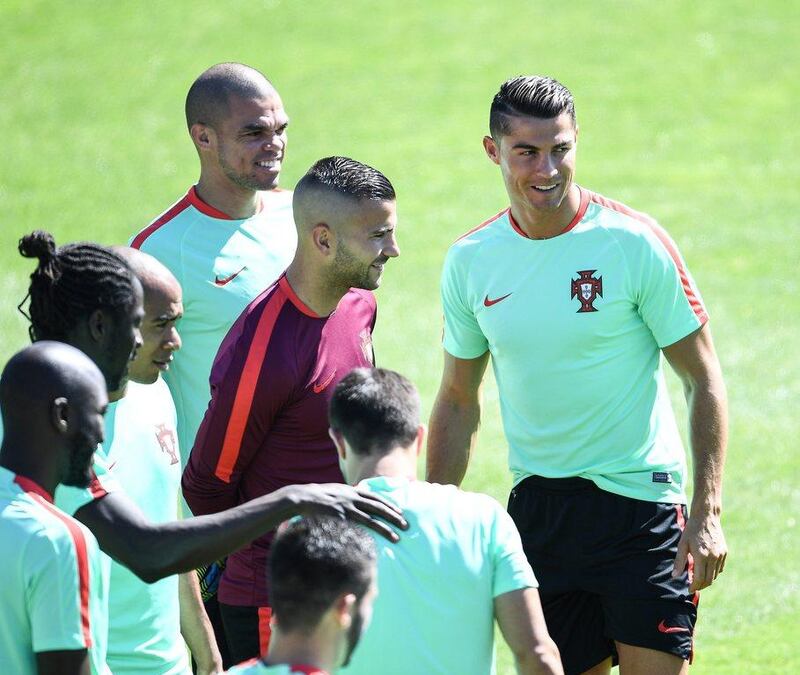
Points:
point(685, 111)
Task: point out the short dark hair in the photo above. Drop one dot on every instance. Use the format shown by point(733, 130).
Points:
point(207, 100)
point(375, 409)
point(348, 178)
point(71, 282)
point(528, 95)
point(312, 562)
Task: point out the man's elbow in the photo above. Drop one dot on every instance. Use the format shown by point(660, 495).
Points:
point(206, 495)
point(542, 657)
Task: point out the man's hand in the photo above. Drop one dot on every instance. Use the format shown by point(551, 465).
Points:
point(703, 542)
point(343, 501)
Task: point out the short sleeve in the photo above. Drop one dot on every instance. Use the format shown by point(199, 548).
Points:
point(53, 594)
point(463, 337)
point(512, 570)
point(69, 499)
point(668, 299)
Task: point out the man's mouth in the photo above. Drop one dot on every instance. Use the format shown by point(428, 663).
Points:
point(269, 164)
point(163, 364)
point(545, 188)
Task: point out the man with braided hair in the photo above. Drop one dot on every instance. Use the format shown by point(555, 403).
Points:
point(100, 301)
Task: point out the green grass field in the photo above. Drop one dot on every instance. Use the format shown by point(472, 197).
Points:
point(685, 112)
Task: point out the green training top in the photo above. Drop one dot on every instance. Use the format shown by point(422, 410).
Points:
point(574, 325)
point(436, 588)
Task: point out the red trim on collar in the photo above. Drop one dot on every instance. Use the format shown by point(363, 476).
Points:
point(32, 486)
point(581, 212)
point(283, 283)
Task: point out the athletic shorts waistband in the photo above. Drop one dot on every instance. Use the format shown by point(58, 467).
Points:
point(571, 484)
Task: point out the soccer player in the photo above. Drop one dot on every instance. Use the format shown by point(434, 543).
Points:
point(52, 621)
point(85, 295)
point(323, 575)
point(576, 297)
point(232, 234)
point(141, 447)
point(461, 564)
point(266, 425)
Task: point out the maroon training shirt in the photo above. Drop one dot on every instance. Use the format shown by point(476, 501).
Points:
point(267, 423)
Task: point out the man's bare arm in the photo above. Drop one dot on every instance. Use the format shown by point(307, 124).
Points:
point(519, 615)
point(155, 551)
point(455, 419)
point(196, 629)
point(695, 361)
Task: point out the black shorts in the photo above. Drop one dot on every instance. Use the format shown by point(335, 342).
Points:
point(604, 565)
point(247, 630)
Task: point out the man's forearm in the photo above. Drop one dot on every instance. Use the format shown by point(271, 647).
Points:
point(196, 628)
point(453, 430)
point(155, 551)
point(708, 435)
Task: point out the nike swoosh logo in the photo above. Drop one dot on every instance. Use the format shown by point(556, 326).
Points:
point(318, 388)
point(489, 303)
point(227, 280)
point(664, 628)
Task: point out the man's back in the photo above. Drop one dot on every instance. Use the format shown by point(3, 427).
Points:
point(435, 608)
point(52, 590)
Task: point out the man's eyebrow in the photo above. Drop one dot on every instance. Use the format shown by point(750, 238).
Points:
point(167, 316)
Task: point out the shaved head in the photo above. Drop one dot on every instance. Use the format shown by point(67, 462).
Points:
point(151, 272)
point(332, 189)
point(52, 396)
point(163, 308)
point(208, 97)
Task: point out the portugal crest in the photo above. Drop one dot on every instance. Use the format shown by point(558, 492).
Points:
point(586, 288)
point(166, 439)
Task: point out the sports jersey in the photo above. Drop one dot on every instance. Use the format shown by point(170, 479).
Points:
point(435, 607)
point(221, 264)
point(52, 596)
point(258, 667)
point(144, 632)
point(267, 422)
point(69, 499)
point(574, 325)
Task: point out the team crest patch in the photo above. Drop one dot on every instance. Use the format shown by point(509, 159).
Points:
point(166, 439)
point(587, 288)
point(366, 346)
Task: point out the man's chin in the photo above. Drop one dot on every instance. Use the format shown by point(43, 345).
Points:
point(78, 481)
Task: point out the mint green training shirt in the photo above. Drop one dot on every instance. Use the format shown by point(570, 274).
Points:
point(574, 325)
point(221, 264)
point(52, 595)
point(436, 588)
point(144, 633)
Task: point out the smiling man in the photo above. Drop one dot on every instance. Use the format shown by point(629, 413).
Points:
point(266, 425)
point(575, 297)
point(232, 234)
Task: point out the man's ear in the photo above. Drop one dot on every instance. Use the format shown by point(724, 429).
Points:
point(98, 325)
point(59, 414)
point(338, 440)
point(422, 430)
point(203, 136)
point(492, 149)
point(322, 236)
point(343, 608)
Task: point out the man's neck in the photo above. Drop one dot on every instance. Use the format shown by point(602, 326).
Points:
point(21, 465)
point(545, 224)
point(311, 287)
point(399, 463)
point(299, 650)
point(235, 202)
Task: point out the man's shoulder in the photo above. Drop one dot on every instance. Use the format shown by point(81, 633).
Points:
point(359, 297)
point(172, 219)
point(487, 230)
